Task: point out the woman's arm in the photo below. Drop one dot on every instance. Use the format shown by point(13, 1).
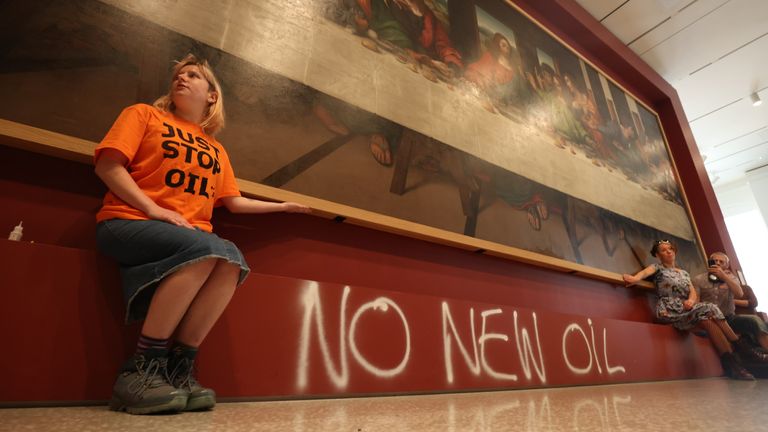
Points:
point(110, 167)
point(693, 295)
point(238, 204)
point(693, 298)
point(642, 274)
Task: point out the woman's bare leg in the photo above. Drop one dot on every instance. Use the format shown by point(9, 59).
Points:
point(716, 336)
point(209, 304)
point(173, 297)
point(727, 330)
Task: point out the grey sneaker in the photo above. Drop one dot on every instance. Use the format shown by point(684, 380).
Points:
point(182, 376)
point(142, 387)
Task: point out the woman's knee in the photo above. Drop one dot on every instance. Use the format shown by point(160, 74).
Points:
point(227, 268)
point(203, 267)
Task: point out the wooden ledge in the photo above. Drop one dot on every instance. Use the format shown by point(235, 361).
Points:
point(62, 146)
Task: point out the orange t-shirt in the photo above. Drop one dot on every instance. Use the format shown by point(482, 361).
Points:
point(173, 161)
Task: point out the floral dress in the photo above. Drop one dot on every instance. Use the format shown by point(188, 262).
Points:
point(672, 289)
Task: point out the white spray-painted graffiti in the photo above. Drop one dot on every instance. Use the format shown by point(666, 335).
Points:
point(476, 360)
point(340, 376)
point(591, 349)
point(525, 352)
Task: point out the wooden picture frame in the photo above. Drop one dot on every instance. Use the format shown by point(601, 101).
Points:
point(537, 156)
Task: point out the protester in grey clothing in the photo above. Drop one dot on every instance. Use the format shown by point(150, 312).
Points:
point(720, 286)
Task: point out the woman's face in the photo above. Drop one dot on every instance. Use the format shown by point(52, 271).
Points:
point(665, 253)
point(190, 88)
point(504, 46)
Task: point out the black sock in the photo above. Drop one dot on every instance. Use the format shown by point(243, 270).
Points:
point(147, 343)
point(180, 349)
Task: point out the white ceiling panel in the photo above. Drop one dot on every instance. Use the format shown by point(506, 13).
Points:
point(735, 167)
point(637, 17)
point(690, 13)
point(703, 42)
point(726, 125)
point(734, 77)
point(738, 165)
point(749, 148)
point(730, 161)
point(746, 141)
point(600, 8)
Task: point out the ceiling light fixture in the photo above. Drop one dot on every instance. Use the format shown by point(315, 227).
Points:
point(756, 101)
point(713, 176)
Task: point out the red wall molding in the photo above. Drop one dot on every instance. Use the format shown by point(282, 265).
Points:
point(291, 338)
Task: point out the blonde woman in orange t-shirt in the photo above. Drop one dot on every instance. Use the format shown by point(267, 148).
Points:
point(165, 173)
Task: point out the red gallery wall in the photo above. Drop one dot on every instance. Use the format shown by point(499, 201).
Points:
point(64, 308)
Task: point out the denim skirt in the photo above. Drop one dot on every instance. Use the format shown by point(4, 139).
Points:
point(149, 250)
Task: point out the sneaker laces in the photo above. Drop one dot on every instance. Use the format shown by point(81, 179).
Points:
point(183, 375)
point(149, 375)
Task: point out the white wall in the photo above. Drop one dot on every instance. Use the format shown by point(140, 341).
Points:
point(758, 183)
point(748, 230)
point(735, 198)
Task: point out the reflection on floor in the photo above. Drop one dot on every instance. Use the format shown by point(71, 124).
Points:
point(711, 404)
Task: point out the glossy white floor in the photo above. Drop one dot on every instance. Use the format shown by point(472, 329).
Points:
point(711, 404)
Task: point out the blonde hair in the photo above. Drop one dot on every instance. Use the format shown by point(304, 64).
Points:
point(213, 120)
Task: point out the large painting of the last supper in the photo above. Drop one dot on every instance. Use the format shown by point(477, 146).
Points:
point(465, 117)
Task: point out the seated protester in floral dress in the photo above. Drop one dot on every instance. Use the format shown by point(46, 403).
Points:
point(677, 304)
point(720, 286)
